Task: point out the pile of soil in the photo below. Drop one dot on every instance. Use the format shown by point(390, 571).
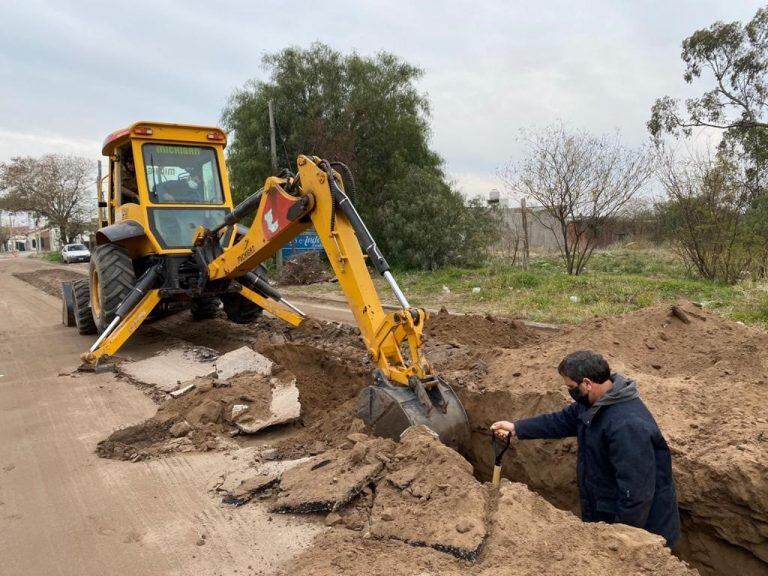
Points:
point(429, 515)
point(482, 331)
point(49, 280)
point(705, 379)
point(304, 269)
point(202, 419)
point(328, 387)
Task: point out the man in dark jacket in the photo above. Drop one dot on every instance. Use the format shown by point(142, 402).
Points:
point(624, 467)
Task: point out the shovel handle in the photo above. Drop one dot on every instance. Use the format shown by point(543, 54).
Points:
point(496, 475)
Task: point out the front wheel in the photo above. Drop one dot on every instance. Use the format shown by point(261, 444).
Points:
point(239, 309)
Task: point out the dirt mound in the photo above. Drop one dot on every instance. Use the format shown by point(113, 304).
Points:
point(304, 269)
point(418, 491)
point(328, 388)
point(426, 500)
point(202, 419)
point(703, 377)
point(431, 498)
point(331, 480)
point(483, 331)
point(49, 280)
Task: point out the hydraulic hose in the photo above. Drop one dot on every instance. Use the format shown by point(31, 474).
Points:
point(367, 243)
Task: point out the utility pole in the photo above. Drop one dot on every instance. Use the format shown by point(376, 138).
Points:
point(524, 214)
point(13, 240)
point(273, 147)
point(272, 143)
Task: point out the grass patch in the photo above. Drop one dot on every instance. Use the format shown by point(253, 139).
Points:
point(615, 282)
point(52, 256)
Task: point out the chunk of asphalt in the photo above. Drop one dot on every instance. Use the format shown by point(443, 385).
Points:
point(250, 487)
point(242, 360)
point(166, 370)
point(325, 482)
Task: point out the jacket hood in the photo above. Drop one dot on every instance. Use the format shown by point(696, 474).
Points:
point(624, 389)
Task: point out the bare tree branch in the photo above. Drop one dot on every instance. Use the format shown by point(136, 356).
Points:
point(581, 181)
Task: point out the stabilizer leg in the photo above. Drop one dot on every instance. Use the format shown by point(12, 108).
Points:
point(112, 341)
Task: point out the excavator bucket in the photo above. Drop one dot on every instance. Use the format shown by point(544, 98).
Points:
point(389, 409)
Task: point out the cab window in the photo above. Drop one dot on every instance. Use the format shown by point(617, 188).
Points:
point(182, 174)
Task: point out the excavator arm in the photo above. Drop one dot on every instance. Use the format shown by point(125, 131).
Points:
point(315, 197)
point(406, 391)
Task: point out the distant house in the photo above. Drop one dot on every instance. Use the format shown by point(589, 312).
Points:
point(43, 240)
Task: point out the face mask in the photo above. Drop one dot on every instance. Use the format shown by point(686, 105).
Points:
point(579, 397)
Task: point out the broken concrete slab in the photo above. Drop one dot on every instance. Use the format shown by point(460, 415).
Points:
point(328, 481)
point(168, 369)
point(427, 480)
point(174, 370)
point(284, 407)
point(249, 487)
point(242, 360)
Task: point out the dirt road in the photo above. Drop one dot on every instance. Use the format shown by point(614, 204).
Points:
point(65, 511)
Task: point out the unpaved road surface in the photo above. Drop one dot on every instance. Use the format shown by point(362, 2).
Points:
point(63, 510)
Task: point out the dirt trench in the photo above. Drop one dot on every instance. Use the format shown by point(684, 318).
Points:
point(705, 380)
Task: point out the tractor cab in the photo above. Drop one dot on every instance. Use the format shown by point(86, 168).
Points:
point(164, 181)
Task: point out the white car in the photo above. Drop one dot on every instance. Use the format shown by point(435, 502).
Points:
point(75, 253)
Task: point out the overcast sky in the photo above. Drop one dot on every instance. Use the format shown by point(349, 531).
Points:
point(72, 72)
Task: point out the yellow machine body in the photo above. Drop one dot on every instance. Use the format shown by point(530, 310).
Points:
point(116, 207)
point(406, 390)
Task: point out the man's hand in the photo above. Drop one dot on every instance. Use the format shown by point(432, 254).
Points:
point(502, 429)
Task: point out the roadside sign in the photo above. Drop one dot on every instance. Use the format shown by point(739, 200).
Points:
point(307, 241)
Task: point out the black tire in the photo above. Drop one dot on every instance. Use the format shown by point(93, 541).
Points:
point(204, 308)
point(83, 316)
point(239, 309)
point(67, 305)
point(111, 279)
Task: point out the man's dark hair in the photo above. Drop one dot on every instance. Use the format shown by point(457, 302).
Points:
point(585, 364)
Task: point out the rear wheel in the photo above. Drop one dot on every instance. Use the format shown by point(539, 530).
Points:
point(111, 279)
point(239, 309)
point(204, 308)
point(82, 307)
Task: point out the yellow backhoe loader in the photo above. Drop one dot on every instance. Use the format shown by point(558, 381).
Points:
point(170, 237)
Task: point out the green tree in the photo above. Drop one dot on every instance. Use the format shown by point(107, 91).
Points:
point(432, 226)
point(735, 58)
point(365, 112)
point(53, 186)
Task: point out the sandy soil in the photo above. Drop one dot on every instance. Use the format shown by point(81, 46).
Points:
point(703, 377)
